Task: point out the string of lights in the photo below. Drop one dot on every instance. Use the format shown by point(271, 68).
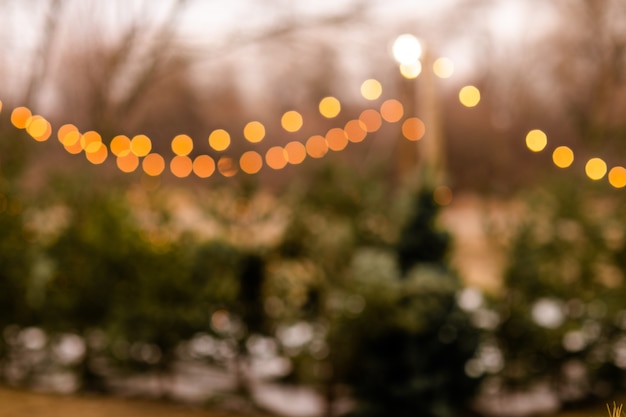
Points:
point(132, 154)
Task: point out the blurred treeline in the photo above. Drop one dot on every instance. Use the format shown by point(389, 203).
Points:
point(338, 280)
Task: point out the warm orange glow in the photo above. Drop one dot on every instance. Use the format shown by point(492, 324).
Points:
point(38, 128)
point(336, 139)
point(413, 128)
point(73, 145)
point(203, 166)
point(536, 140)
point(469, 96)
point(291, 121)
point(141, 145)
point(371, 120)
point(563, 157)
point(316, 146)
point(153, 164)
point(355, 130)
point(98, 156)
point(120, 145)
point(182, 145)
point(296, 152)
point(219, 139)
point(276, 157)
point(251, 162)
point(371, 89)
point(392, 110)
point(62, 134)
point(127, 163)
point(254, 132)
point(91, 141)
point(20, 117)
point(181, 166)
point(617, 177)
point(595, 168)
point(0, 105)
point(226, 166)
point(329, 107)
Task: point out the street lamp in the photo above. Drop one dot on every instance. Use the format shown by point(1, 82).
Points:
point(411, 55)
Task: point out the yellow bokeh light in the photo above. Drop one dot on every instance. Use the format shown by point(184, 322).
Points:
point(127, 163)
point(329, 107)
point(336, 139)
point(617, 177)
point(91, 141)
point(227, 167)
point(38, 128)
point(20, 117)
point(296, 152)
point(355, 130)
point(413, 129)
point(254, 132)
point(203, 166)
point(276, 157)
point(469, 96)
point(181, 166)
point(64, 131)
point(120, 145)
point(412, 70)
point(563, 157)
point(391, 110)
point(153, 164)
point(443, 67)
point(316, 146)
point(140, 145)
point(251, 162)
point(219, 139)
point(443, 195)
point(182, 145)
point(98, 156)
point(595, 168)
point(371, 119)
point(536, 140)
point(291, 121)
point(371, 89)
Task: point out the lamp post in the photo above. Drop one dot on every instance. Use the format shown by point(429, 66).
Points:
point(416, 62)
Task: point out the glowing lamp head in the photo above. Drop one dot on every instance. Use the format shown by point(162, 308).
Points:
point(407, 49)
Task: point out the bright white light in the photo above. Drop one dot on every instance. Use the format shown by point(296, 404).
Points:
point(407, 49)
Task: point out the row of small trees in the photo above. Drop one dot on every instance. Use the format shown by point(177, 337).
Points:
point(101, 282)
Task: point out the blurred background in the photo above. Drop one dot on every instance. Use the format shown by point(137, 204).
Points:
point(355, 207)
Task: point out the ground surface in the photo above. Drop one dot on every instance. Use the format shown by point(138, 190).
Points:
point(14, 403)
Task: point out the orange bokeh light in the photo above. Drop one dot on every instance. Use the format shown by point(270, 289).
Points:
point(316, 146)
point(413, 129)
point(355, 130)
point(336, 139)
point(296, 152)
point(276, 157)
point(181, 166)
point(153, 164)
point(120, 145)
point(20, 117)
point(127, 163)
point(251, 162)
point(391, 110)
point(203, 166)
point(371, 120)
point(98, 156)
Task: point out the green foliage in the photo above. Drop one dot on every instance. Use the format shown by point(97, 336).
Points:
point(561, 309)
